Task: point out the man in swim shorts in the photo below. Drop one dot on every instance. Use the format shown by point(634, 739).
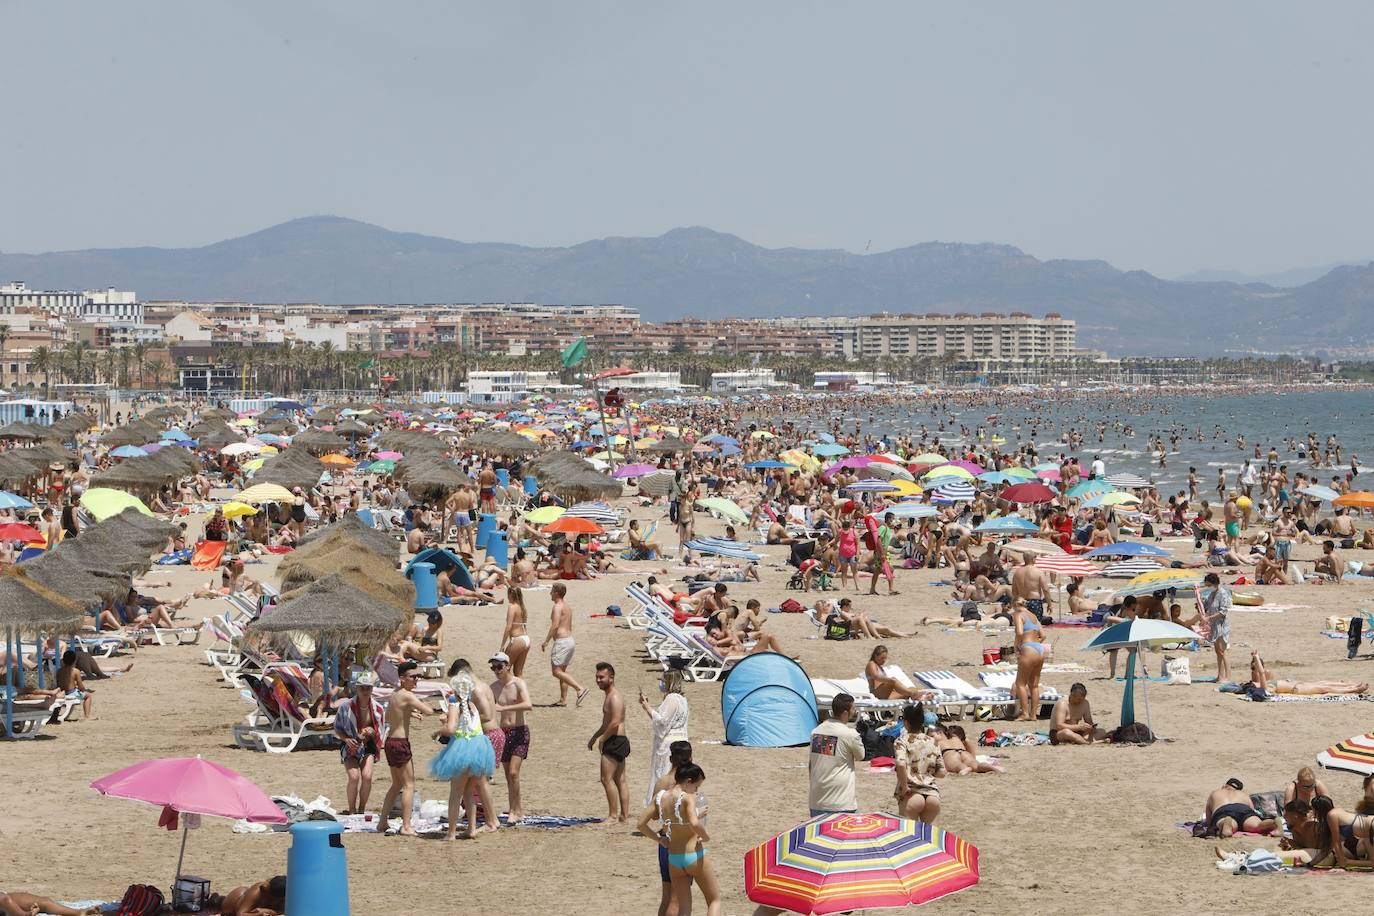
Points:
point(512, 702)
point(1229, 810)
point(1031, 584)
point(403, 707)
point(615, 747)
point(560, 634)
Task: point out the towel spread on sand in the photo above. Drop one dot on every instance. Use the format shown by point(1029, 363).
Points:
point(1325, 698)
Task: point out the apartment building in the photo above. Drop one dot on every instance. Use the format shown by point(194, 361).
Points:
point(961, 335)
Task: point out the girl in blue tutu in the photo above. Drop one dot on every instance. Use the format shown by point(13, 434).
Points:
point(467, 758)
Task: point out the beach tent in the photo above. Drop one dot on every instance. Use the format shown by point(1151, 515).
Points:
point(767, 701)
point(444, 561)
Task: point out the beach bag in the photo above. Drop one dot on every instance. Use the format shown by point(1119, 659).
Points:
point(836, 628)
point(791, 606)
point(1135, 733)
point(1177, 670)
point(140, 900)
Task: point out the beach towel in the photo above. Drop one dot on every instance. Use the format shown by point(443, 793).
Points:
point(280, 548)
point(1325, 698)
point(176, 558)
point(208, 554)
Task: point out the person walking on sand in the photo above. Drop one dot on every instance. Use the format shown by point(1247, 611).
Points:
point(1031, 585)
point(882, 542)
point(359, 724)
point(1217, 606)
point(614, 745)
point(512, 702)
point(401, 708)
point(560, 634)
point(685, 837)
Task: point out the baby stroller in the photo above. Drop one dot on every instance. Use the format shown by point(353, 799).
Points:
point(802, 557)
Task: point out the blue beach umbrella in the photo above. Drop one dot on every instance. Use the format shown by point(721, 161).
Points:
point(1090, 488)
point(764, 465)
point(829, 450)
point(1126, 549)
point(1007, 524)
point(912, 510)
point(127, 451)
point(10, 500)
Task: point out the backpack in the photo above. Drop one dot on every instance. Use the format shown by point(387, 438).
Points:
point(836, 627)
point(791, 606)
point(141, 900)
point(1135, 733)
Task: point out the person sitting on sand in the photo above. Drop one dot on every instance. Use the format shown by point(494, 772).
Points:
point(458, 593)
point(777, 534)
point(982, 590)
point(1305, 788)
point(1347, 837)
point(265, 898)
point(1330, 562)
point(885, 687)
point(861, 624)
point(1071, 722)
point(1269, 570)
point(18, 903)
point(1229, 809)
point(1263, 678)
point(640, 545)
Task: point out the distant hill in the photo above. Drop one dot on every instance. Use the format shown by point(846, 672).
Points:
point(1283, 279)
point(705, 273)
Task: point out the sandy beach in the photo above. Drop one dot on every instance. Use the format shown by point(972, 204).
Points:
point(1081, 830)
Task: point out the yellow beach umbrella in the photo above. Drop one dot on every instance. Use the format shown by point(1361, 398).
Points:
point(103, 502)
point(269, 450)
point(905, 488)
point(761, 434)
point(334, 459)
point(947, 470)
point(266, 493)
point(644, 443)
point(254, 464)
point(606, 456)
point(544, 514)
point(236, 509)
point(246, 421)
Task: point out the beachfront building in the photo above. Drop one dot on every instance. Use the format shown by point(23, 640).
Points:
point(844, 379)
point(650, 381)
point(745, 379)
point(986, 336)
point(508, 385)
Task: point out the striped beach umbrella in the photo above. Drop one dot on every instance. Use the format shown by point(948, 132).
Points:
point(843, 862)
point(723, 547)
point(1355, 755)
point(1067, 564)
point(1128, 481)
point(1129, 569)
point(1038, 546)
point(872, 485)
point(599, 512)
point(912, 510)
point(1126, 549)
point(954, 491)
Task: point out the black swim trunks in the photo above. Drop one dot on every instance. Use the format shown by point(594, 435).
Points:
point(616, 747)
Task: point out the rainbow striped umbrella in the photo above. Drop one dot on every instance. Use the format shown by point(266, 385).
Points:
point(1354, 754)
point(842, 862)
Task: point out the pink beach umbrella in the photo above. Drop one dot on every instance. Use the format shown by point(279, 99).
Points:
point(190, 785)
point(634, 470)
point(388, 456)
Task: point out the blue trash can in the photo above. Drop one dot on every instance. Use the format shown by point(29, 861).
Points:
point(498, 548)
point(503, 477)
point(486, 524)
point(531, 485)
point(316, 871)
point(426, 584)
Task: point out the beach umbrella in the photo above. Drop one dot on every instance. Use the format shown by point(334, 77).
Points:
point(1038, 546)
point(599, 512)
point(839, 862)
point(1089, 488)
point(1020, 473)
point(634, 470)
point(571, 524)
point(912, 510)
point(239, 448)
point(10, 500)
point(927, 458)
point(1128, 481)
point(905, 488)
point(266, 493)
point(18, 531)
point(1354, 755)
point(1126, 549)
point(769, 465)
point(1115, 498)
point(1129, 569)
point(252, 464)
point(872, 485)
point(948, 470)
point(1029, 492)
point(385, 466)
point(1135, 635)
point(954, 491)
point(128, 451)
point(996, 477)
point(829, 450)
point(238, 509)
point(1155, 580)
point(725, 508)
point(972, 467)
point(190, 785)
point(1360, 499)
point(388, 455)
point(1317, 491)
point(854, 462)
point(889, 471)
point(103, 502)
point(1007, 524)
point(337, 460)
point(544, 514)
point(1067, 564)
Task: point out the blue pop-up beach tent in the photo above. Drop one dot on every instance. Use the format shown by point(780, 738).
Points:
point(767, 701)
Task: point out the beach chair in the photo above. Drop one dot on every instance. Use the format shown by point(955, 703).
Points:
point(385, 669)
point(224, 631)
point(699, 660)
point(955, 691)
point(1006, 680)
point(279, 725)
point(826, 689)
point(28, 723)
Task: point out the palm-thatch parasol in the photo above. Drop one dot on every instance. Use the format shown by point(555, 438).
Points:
point(498, 442)
point(358, 566)
point(339, 609)
point(217, 413)
point(352, 429)
point(668, 445)
point(318, 441)
point(291, 469)
point(15, 472)
point(349, 531)
point(29, 431)
point(30, 608)
point(165, 412)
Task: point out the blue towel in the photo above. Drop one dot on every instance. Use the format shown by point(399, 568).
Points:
point(176, 558)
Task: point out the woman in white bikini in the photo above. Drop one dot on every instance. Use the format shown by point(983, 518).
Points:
point(515, 638)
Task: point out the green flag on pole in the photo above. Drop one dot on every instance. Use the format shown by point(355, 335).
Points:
point(369, 364)
point(575, 353)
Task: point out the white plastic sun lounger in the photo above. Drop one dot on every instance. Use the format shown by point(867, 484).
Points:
point(1006, 680)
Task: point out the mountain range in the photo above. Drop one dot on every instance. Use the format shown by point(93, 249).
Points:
point(703, 273)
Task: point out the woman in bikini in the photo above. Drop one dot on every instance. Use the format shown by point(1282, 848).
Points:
point(1030, 658)
point(918, 764)
point(1348, 835)
point(515, 638)
point(951, 739)
point(685, 837)
point(1305, 788)
point(885, 687)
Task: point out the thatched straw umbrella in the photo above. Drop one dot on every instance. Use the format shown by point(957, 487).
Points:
point(165, 412)
point(358, 566)
point(28, 431)
point(291, 469)
point(337, 610)
point(499, 442)
point(353, 429)
point(216, 439)
point(668, 445)
point(30, 608)
point(349, 531)
point(326, 415)
point(318, 441)
point(67, 576)
point(217, 413)
point(15, 472)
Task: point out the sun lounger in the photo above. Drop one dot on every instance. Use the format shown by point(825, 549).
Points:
point(954, 690)
point(27, 723)
point(699, 659)
point(1006, 680)
point(279, 725)
point(826, 689)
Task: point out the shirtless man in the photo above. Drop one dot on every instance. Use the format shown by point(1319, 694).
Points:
point(512, 701)
point(459, 505)
point(614, 746)
point(1330, 562)
point(52, 529)
point(265, 898)
point(486, 481)
point(1229, 810)
point(560, 634)
point(1072, 719)
point(401, 709)
point(1031, 585)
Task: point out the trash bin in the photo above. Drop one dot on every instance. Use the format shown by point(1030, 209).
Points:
point(498, 549)
point(531, 485)
point(486, 524)
point(316, 871)
point(426, 585)
point(503, 477)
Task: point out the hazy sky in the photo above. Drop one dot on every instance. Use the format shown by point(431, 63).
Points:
point(1164, 136)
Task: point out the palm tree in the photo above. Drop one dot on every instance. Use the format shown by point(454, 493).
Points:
point(41, 361)
point(124, 355)
point(107, 365)
point(157, 367)
point(140, 353)
point(4, 339)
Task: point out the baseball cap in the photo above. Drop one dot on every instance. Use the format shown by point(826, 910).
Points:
point(366, 679)
point(501, 657)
